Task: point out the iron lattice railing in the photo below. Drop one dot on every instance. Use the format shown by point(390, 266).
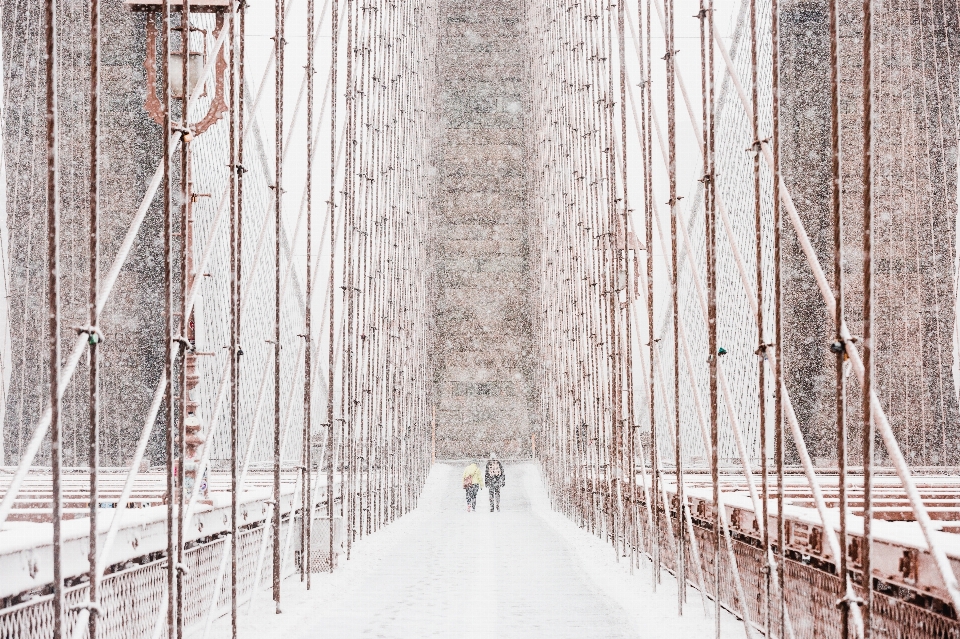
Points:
point(812, 592)
point(133, 598)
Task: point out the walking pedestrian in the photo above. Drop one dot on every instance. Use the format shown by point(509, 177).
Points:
point(472, 483)
point(496, 478)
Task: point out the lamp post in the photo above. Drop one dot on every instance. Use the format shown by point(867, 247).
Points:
point(182, 89)
point(197, 60)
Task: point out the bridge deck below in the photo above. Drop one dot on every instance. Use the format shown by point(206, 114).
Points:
point(442, 572)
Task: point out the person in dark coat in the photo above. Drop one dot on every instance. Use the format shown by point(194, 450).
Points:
point(495, 478)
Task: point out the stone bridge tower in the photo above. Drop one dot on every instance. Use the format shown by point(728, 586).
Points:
point(484, 338)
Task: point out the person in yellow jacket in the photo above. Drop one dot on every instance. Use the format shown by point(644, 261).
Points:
point(472, 483)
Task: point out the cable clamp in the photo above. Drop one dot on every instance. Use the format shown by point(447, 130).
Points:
point(839, 346)
point(94, 336)
point(94, 607)
point(757, 146)
point(846, 600)
point(183, 341)
point(183, 569)
point(185, 132)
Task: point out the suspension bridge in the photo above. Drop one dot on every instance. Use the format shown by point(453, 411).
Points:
point(274, 273)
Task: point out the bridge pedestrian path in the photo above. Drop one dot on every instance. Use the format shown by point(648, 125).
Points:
point(525, 572)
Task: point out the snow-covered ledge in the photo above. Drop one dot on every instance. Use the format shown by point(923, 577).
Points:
point(26, 548)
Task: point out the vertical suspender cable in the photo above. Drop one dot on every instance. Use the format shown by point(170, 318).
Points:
point(618, 276)
point(307, 511)
point(185, 246)
point(334, 40)
point(868, 364)
point(278, 42)
point(93, 335)
point(626, 344)
point(170, 327)
point(838, 290)
point(613, 250)
point(761, 332)
point(709, 246)
point(648, 243)
point(710, 228)
point(346, 394)
point(679, 561)
point(778, 316)
point(53, 299)
point(236, 203)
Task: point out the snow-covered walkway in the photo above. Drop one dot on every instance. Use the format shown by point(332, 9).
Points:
point(525, 572)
